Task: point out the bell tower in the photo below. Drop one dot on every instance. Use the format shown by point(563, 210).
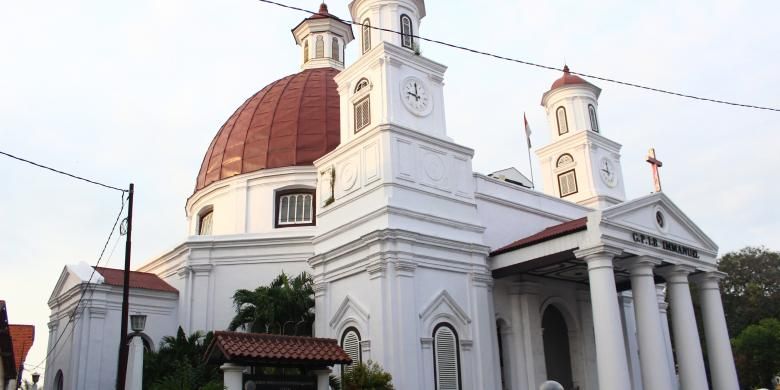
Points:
point(580, 164)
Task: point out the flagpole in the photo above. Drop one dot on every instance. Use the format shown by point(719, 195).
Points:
point(528, 141)
point(531, 167)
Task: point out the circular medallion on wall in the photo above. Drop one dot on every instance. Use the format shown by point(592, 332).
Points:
point(433, 166)
point(348, 176)
point(416, 96)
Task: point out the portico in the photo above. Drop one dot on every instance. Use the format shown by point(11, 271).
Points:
point(639, 246)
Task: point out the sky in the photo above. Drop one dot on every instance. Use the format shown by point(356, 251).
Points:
point(134, 91)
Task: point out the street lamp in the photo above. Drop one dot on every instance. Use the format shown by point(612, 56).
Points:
point(137, 322)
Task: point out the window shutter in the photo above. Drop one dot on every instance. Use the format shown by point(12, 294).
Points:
point(594, 123)
point(446, 354)
point(334, 49)
point(351, 345)
point(563, 125)
point(319, 48)
point(366, 35)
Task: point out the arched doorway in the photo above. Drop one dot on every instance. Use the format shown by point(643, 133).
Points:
point(557, 357)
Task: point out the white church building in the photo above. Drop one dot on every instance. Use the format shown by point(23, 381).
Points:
point(449, 278)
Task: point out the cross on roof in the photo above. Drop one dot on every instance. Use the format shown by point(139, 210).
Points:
point(654, 165)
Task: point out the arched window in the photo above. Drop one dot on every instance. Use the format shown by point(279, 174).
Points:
point(319, 47)
point(567, 183)
point(565, 160)
point(59, 381)
point(294, 208)
point(406, 32)
point(350, 343)
point(594, 123)
point(366, 35)
point(362, 113)
point(361, 85)
point(335, 52)
point(446, 357)
point(563, 124)
point(306, 51)
point(205, 222)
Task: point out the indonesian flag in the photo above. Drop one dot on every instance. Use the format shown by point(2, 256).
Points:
point(527, 131)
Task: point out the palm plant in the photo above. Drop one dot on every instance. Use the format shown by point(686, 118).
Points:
point(180, 360)
point(285, 306)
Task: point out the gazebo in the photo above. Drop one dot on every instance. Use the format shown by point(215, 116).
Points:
point(251, 353)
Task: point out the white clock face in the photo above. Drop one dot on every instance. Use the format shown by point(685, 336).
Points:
point(608, 172)
point(415, 96)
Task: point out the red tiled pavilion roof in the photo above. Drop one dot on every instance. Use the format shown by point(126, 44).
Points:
point(145, 280)
point(22, 337)
point(544, 235)
point(257, 347)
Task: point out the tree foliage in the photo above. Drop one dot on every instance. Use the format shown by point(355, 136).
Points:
point(283, 307)
point(751, 291)
point(365, 376)
point(178, 364)
point(756, 353)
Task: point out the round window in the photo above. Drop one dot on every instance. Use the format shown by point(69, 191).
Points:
point(659, 219)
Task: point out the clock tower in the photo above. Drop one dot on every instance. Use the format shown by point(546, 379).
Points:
point(580, 164)
point(400, 265)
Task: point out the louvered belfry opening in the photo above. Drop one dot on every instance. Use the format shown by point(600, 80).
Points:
point(446, 357)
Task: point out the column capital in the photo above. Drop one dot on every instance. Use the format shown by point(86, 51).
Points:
point(708, 279)
point(640, 265)
point(598, 251)
point(230, 367)
point(677, 273)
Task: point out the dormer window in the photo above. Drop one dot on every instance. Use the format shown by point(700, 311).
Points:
point(205, 222)
point(563, 124)
point(366, 38)
point(294, 208)
point(594, 123)
point(406, 32)
point(319, 47)
point(306, 51)
point(335, 52)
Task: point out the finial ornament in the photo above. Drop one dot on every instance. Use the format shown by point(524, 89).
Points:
point(654, 165)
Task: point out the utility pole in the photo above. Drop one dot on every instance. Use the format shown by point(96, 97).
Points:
point(121, 373)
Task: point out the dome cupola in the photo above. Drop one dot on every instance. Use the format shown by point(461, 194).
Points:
point(323, 37)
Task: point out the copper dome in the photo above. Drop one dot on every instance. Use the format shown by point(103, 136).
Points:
point(568, 79)
point(292, 121)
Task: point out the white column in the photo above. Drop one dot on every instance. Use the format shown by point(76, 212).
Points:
point(529, 344)
point(519, 371)
point(323, 379)
point(232, 376)
point(610, 347)
point(652, 351)
point(716, 334)
point(686, 336)
point(662, 312)
point(135, 364)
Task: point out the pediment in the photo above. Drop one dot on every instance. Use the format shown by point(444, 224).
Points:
point(73, 275)
point(349, 308)
point(444, 306)
point(642, 216)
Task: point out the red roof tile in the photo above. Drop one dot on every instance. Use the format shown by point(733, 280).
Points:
point(22, 337)
point(145, 280)
point(235, 346)
point(544, 235)
point(567, 79)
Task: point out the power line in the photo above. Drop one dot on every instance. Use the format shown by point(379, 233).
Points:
point(61, 172)
point(89, 284)
point(504, 58)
